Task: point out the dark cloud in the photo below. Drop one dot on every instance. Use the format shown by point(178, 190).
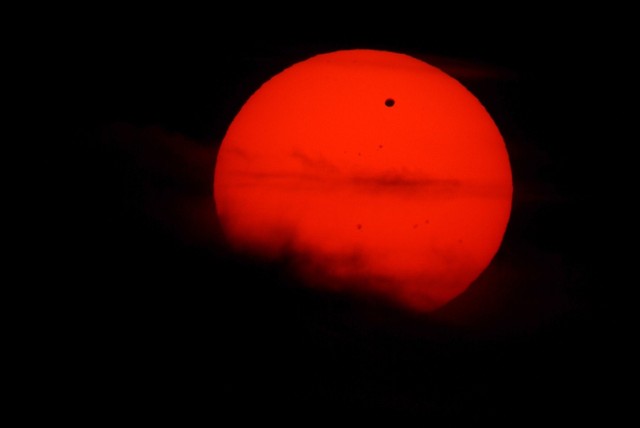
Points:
point(317, 163)
point(392, 181)
point(466, 70)
point(169, 177)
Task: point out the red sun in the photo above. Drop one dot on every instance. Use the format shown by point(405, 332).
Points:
point(376, 172)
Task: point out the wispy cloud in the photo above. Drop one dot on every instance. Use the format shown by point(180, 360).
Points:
point(469, 70)
point(330, 178)
point(317, 163)
point(396, 181)
point(168, 178)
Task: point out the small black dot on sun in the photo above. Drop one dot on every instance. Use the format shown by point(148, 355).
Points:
point(389, 102)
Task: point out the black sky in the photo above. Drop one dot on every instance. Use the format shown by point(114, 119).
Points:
point(170, 323)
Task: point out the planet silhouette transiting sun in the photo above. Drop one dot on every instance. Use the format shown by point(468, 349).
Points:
point(375, 172)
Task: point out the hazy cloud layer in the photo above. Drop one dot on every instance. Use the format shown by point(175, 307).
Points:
point(169, 177)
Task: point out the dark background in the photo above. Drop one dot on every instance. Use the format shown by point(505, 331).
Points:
point(159, 317)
